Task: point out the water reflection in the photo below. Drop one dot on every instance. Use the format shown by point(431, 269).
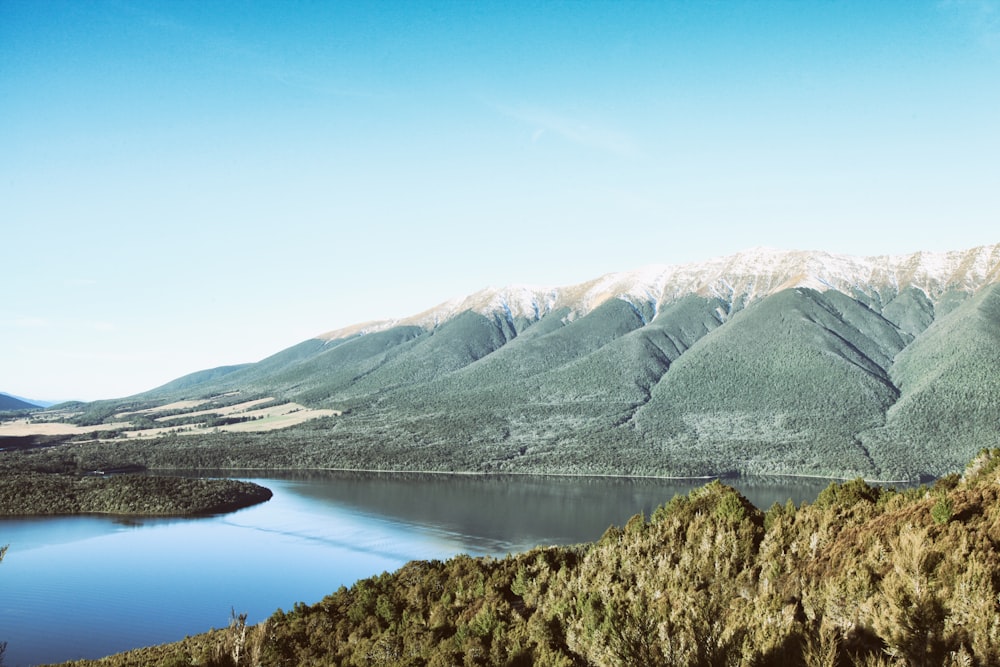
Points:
point(84, 587)
point(522, 510)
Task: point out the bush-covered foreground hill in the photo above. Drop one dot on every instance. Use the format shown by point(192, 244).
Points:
point(863, 576)
point(26, 493)
point(45, 479)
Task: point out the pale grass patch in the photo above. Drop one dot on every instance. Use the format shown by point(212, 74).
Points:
point(270, 418)
point(23, 427)
point(177, 405)
point(258, 419)
point(222, 412)
point(280, 416)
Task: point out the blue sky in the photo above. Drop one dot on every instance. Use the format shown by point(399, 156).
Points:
point(185, 185)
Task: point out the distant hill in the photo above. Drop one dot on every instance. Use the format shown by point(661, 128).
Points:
point(8, 402)
point(766, 361)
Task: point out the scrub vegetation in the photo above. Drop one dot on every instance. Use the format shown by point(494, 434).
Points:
point(862, 576)
point(51, 481)
point(125, 494)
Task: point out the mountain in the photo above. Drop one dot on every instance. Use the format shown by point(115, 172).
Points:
point(766, 361)
point(8, 402)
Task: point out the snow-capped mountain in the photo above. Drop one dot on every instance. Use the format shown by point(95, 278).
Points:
point(765, 361)
point(737, 280)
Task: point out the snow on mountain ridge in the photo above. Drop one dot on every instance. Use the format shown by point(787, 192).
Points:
point(737, 280)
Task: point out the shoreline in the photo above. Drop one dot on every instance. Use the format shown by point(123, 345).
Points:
point(478, 473)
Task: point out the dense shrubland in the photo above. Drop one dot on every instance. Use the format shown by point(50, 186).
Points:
point(50, 493)
point(58, 481)
point(863, 576)
point(468, 438)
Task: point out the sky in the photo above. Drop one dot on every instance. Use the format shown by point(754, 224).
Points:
point(186, 184)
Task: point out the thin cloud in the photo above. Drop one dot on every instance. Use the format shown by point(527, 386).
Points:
point(576, 130)
point(103, 327)
point(30, 322)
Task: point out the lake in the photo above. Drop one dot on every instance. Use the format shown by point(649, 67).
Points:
point(88, 586)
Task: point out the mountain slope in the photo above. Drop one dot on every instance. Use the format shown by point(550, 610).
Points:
point(795, 375)
point(764, 361)
point(8, 402)
point(950, 387)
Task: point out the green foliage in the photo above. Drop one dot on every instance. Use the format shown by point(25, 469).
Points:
point(730, 509)
point(30, 493)
point(702, 583)
point(985, 464)
point(947, 482)
point(674, 506)
point(848, 494)
point(777, 512)
point(942, 510)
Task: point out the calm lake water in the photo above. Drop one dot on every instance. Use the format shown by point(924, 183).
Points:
point(84, 587)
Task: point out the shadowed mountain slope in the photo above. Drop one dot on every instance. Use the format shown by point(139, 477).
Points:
point(792, 378)
point(950, 389)
point(8, 402)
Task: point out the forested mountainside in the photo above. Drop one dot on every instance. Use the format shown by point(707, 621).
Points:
point(8, 402)
point(763, 362)
point(863, 576)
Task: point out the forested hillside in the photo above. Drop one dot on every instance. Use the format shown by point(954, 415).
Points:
point(863, 576)
point(10, 403)
point(765, 362)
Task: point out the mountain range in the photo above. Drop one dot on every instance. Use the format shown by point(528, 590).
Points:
point(766, 361)
point(9, 402)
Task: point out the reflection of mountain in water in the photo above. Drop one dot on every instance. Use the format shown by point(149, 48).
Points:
point(522, 510)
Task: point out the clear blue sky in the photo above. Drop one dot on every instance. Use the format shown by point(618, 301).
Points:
point(191, 184)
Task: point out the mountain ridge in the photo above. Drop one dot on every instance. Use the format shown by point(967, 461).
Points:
point(762, 362)
point(11, 402)
point(738, 279)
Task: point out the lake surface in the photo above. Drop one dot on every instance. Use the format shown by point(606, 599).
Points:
point(85, 587)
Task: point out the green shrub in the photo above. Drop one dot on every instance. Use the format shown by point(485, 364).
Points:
point(942, 510)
